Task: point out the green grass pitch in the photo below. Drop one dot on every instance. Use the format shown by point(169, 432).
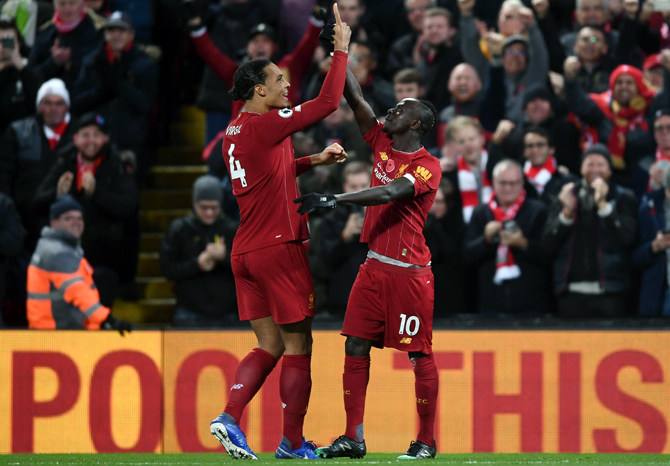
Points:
point(196, 459)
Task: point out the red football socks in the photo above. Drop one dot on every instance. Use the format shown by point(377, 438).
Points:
point(249, 377)
point(355, 384)
point(295, 386)
point(426, 384)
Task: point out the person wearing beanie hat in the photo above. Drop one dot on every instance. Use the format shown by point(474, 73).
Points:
point(207, 188)
point(62, 292)
point(195, 254)
point(62, 205)
point(53, 87)
point(590, 232)
point(29, 148)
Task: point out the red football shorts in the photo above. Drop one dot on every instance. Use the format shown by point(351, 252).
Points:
point(392, 306)
point(274, 281)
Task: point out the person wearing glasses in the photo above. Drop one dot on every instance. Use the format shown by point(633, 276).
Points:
point(503, 244)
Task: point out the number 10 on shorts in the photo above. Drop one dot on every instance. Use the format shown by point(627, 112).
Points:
point(409, 325)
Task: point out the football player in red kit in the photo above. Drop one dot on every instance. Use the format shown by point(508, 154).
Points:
point(391, 302)
point(274, 285)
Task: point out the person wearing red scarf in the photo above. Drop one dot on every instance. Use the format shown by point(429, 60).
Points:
point(624, 104)
point(502, 242)
point(62, 43)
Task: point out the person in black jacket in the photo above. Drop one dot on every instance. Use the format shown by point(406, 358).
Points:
point(590, 232)
point(340, 231)
point(118, 81)
point(195, 254)
point(18, 82)
point(11, 241)
point(62, 43)
point(503, 241)
point(93, 174)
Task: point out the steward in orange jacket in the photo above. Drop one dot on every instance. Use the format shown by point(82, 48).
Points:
point(61, 291)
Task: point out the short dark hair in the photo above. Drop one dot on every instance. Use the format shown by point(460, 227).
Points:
point(408, 76)
point(246, 77)
point(428, 116)
point(540, 131)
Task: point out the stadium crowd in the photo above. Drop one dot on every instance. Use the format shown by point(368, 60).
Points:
point(553, 137)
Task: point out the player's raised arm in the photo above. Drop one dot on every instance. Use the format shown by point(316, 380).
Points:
point(365, 116)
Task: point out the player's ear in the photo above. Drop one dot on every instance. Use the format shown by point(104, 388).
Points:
point(260, 90)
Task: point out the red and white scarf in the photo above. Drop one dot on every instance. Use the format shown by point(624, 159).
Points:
point(467, 184)
point(54, 134)
point(83, 168)
point(506, 268)
point(63, 27)
point(540, 176)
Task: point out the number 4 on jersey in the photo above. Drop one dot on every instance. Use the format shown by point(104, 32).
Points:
point(236, 171)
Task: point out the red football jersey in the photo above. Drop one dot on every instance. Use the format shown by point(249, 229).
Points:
point(258, 151)
point(395, 230)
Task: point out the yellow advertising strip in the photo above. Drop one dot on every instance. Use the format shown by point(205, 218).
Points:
point(500, 391)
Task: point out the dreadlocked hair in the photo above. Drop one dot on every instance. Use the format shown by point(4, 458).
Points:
point(246, 78)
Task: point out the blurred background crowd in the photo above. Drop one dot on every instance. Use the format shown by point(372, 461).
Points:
point(553, 137)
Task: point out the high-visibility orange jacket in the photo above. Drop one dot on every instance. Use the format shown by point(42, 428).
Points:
point(61, 291)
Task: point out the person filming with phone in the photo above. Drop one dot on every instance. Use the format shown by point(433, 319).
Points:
point(502, 242)
point(18, 83)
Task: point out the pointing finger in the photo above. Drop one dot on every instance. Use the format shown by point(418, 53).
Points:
point(336, 12)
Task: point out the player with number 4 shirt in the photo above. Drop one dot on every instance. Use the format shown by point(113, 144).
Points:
point(274, 286)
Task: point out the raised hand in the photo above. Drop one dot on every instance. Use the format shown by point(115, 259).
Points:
point(342, 31)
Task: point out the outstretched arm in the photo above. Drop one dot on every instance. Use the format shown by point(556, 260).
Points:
point(378, 195)
point(365, 116)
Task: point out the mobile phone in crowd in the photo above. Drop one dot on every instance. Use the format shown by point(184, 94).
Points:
point(7, 42)
point(510, 226)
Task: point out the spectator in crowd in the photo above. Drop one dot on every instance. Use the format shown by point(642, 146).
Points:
point(407, 83)
point(28, 150)
point(619, 116)
point(503, 243)
point(92, 173)
point(596, 64)
point(591, 13)
point(444, 233)
point(363, 63)
point(648, 174)
point(195, 254)
point(652, 255)
point(464, 86)
point(541, 169)
point(652, 71)
point(403, 50)
point(62, 43)
point(438, 55)
point(11, 241)
point(540, 109)
point(470, 178)
point(340, 232)
point(61, 290)
point(18, 82)
point(222, 63)
point(525, 59)
point(118, 81)
point(32, 15)
point(590, 232)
